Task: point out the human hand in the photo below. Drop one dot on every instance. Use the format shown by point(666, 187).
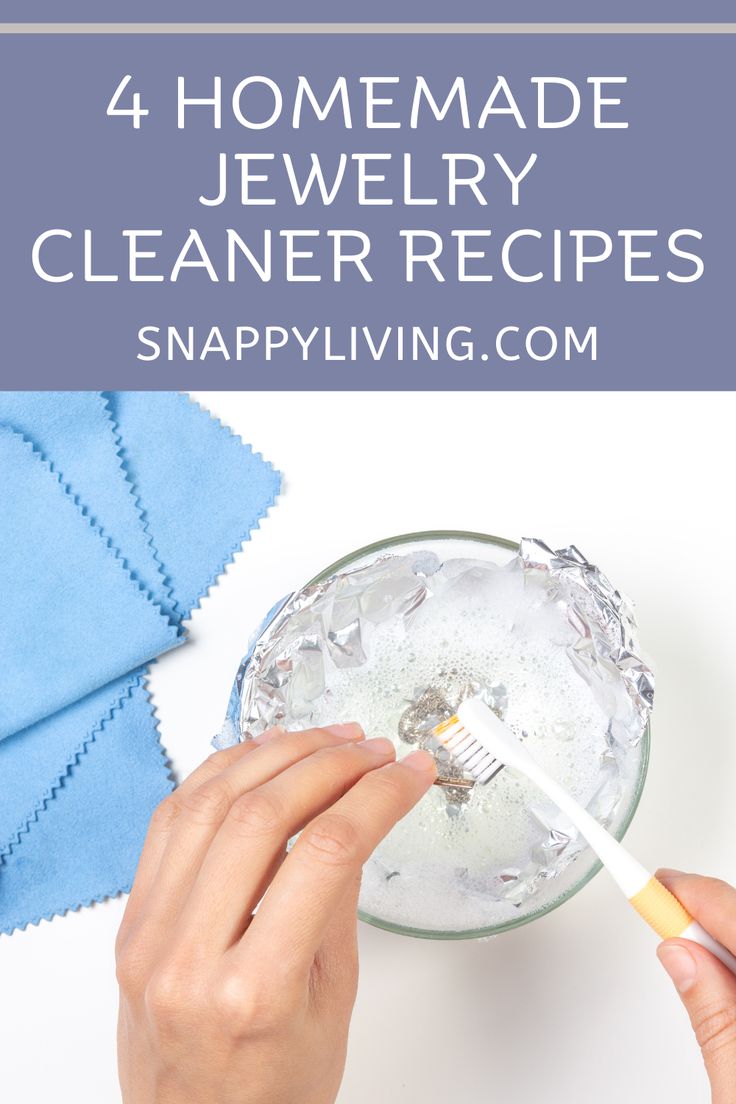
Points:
point(219, 1006)
point(706, 987)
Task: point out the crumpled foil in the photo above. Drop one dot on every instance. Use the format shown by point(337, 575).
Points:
point(283, 673)
point(605, 621)
point(284, 678)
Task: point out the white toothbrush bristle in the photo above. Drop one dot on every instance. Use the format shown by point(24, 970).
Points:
point(467, 752)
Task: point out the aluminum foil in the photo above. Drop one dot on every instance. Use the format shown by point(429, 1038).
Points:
point(282, 675)
point(285, 671)
point(286, 675)
point(605, 622)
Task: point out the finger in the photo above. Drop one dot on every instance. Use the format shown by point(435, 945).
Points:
point(335, 970)
point(708, 991)
point(200, 809)
point(248, 847)
point(324, 862)
point(711, 901)
point(166, 813)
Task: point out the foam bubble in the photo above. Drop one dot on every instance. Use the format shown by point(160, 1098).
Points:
point(504, 854)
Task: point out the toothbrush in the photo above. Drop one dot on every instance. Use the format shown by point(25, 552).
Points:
point(478, 741)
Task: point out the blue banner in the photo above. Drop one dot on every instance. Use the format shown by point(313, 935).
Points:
point(368, 211)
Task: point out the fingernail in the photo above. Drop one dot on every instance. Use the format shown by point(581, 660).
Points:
point(666, 872)
point(380, 746)
point(420, 761)
point(679, 964)
point(351, 731)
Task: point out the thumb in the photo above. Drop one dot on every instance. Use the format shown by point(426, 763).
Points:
point(708, 991)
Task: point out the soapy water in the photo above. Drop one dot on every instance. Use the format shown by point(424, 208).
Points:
point(505, 852)
point(472, 866)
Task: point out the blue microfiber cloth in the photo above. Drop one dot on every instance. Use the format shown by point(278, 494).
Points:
point(73, 619)
point(201, 488)
point(86, 842)
point(73, 430)
point(79, 785)
point(34, 762)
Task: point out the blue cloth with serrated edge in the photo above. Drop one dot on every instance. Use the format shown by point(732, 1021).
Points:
point(74, 431)
point(73, 618)
point(199, 473)
point(173, 496)
point(84, 844)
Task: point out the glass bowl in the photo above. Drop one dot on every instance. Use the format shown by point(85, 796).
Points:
point(585, 866)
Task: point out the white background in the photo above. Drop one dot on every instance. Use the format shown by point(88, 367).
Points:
point(571, 1008)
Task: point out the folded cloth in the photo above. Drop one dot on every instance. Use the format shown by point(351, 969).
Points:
point(72, 617)
point(73, 430)
point(86, 842)
point(202, 490)
point(34, 762)
point(79, 785)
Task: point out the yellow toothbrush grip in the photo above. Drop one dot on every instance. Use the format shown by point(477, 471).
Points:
point(661, 910)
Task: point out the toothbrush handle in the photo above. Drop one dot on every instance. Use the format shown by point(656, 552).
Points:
point(697, 934)
point(651, 899)
point(671, 920)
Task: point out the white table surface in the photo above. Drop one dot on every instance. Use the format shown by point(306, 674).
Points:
point(571, 1008)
